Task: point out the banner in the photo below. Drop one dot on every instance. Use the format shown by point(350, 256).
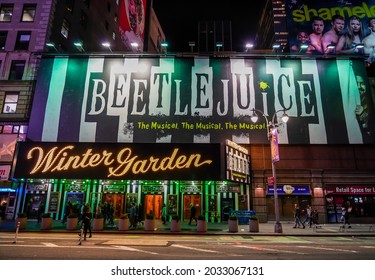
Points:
point(331, 27)
point(200, 100)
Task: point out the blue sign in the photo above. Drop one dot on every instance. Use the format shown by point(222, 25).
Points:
point(289, 190)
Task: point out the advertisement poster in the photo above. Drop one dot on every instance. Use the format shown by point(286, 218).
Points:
point(172, 204)
point(201, 100)
point(132, 19)
point(53, 205)
point(332, 27)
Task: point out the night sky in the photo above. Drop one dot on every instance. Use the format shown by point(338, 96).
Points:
point(179, 20)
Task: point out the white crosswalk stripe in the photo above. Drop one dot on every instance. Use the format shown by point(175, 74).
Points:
point(259, 248)
point(194, 249)
point(327, 249)
point(50, 244)
point(125, 248)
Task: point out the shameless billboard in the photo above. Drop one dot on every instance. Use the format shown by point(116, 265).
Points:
point(200, 100)
point(331, 26)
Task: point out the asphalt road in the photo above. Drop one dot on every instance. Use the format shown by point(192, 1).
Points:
point(65, 246)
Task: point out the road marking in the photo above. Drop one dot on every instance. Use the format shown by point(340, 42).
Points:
point(258, 248)
point(134, 250)
point(194, 249)
point(328, 249)
point(368, 247)
point(50, 244)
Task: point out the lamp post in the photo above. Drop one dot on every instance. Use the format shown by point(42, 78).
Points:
point(272, 135)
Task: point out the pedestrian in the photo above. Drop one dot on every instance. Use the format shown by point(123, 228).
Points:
point(315, 217)
point(68, 209)
point(345, 213)
point(193, 212)
point(86, 222)
point(111, 214)
point(133, 216)
point(164, 214)
point(140, 215)
point(308, 218)
point(41, 209)
point(297, 217)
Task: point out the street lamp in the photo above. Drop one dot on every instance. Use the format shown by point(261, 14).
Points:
point(272, 135)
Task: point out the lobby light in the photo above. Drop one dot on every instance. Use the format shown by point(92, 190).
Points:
point(272, 135)
point(79, 46)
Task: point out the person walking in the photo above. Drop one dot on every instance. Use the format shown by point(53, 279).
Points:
point(164, 214)
point(86, 222)
point(308, 218)
point(297, 217)
point(193, 212)
point(41, 209)
point(345, 212)
point(133, 216)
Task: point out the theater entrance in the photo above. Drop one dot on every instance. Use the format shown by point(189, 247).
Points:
point(154, 204)
point(196, 200)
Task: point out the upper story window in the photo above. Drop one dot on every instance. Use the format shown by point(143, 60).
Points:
point(3, 39)
point(6, 12)
point(10, 103)
point(65, 28)
point(70, 5)
point(23, 40)
point(83, 19)
point(28, 14)
point(16, 69)
point(87, 3)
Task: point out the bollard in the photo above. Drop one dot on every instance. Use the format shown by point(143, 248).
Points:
point(80, 235)
point(17, 229)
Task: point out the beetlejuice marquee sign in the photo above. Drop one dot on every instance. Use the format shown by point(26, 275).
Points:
point(196, 100)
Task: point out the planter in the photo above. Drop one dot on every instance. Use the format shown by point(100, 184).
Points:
point(233, 226)
point(123, 224)
point(71, 224)
point(254, 226)
point(175, 225)
point(98, 224)
point(22, 221)
point(201, 226)
point(46, 223)
point(149, 225)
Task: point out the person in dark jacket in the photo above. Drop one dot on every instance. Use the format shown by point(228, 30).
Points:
point(193, 212)
point(86, 221)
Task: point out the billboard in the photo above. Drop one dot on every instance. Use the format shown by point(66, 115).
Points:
point(200, 100)
point(132, 19)
point(331, 27)
point(118, 161)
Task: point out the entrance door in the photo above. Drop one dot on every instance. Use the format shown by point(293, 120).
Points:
point(118, 203)
point(196, 200)
point(33, 202)
point(154, 204)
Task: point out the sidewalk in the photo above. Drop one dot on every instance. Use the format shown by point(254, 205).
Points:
point(266, 229)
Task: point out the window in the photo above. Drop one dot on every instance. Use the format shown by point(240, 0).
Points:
point(83, 19)
point(6, 12)
point(70, 5)
point(10, 103)
point(16, 69)
point(23, 40)
point(28, 13)
point(3, 39)
point(65, 28)
point(87, 3)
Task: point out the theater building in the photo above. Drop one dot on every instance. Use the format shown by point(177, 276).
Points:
point(178, 130)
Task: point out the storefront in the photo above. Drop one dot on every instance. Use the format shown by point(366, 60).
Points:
point(361, 198)
point(288, 195)
point(59, 174)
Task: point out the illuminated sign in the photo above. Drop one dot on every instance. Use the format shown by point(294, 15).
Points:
point(290, 190)
point(118, 161)
point(237, 163)
point(351, 189)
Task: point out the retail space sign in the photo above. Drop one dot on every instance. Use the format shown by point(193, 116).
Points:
point(351, 189)
point(290, 190)
point(117, 161)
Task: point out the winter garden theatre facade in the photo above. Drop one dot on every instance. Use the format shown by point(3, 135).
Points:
point(155, 130)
